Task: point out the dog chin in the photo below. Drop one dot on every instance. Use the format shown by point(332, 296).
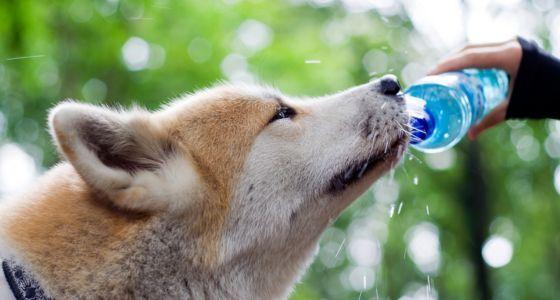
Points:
point(355, 180)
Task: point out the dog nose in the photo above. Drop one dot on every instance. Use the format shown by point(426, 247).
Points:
point(389, 85)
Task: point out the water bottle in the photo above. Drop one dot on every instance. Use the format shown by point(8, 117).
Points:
point(443, 107)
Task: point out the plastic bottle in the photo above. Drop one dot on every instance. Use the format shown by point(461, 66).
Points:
point(443, 107)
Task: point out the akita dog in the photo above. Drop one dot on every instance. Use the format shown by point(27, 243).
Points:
point(222, 194)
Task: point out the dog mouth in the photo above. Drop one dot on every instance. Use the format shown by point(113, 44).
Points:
point(342, 180)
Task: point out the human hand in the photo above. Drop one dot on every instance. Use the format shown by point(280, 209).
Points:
point(505, 56)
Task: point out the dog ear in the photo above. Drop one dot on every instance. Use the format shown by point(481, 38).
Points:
point(124, 154)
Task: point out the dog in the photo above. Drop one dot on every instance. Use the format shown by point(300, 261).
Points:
point(221, 194)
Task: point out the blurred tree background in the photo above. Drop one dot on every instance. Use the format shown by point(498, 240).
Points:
point(479, 221)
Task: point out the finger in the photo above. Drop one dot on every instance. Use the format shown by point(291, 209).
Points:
point(496, 116)
point(485, 45)
point(475, 58)
point(455, 62)
point(496, 56)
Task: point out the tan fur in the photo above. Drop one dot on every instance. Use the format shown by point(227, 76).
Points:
point(65, 221)
point(218, 134)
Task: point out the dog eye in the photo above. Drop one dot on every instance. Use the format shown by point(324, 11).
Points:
point(282, 113)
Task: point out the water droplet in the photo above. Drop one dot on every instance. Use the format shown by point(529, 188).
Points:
point(340, 248)
point(25, 57)
point(415, 180)
point(429, 289)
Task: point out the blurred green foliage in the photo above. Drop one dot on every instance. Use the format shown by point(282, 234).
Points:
point(53, 50)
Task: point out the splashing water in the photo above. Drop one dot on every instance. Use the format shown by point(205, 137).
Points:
point(415, 107)
point(25, 57)
point(429, 289)
point(391, 210)
point(392, 175)
point(340, 248)
point(414, 157)
point(364, 288)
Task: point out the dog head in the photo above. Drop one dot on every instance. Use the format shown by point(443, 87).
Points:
point(254, 171)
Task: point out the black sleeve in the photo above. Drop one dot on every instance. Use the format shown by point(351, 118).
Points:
point(535, 94)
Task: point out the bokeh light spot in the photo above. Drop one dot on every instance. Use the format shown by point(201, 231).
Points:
point(441, 161)
point(364, 252)
point(497, 251)
point(361, 278)
point(424, 247)
point(94, 90)
point(2, 125)
point(557, 179)
point(157, 56)
point(236, 68)
point(254, 35)
point(200, 50)
point(375, 62)
point(386, 190)
point(136, 53)
point(17, 169)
